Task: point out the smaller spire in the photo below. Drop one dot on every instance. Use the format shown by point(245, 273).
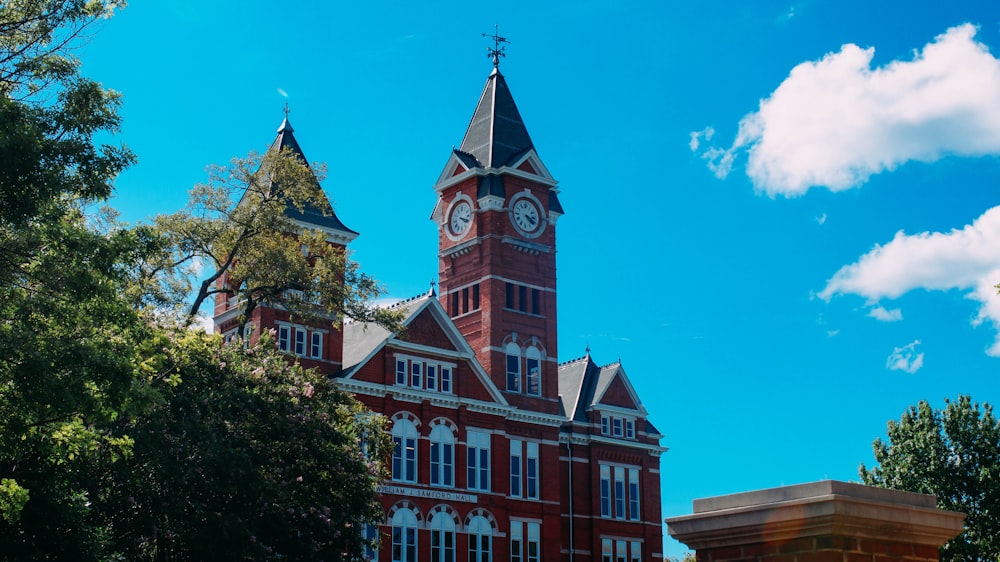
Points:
point(432, 292)
point(285, 124)
point(498, 49)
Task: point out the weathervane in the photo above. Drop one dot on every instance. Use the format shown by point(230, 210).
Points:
point(497, 51)
point(286, 110)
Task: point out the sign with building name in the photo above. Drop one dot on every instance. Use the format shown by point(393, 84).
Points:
point(421, 493)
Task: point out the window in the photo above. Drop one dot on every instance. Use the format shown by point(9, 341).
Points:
point(300, 341)
point(515, 468)
point(532, 364)
point(513, 367)
point(522, 298)
point(516, 541)
point(536, 301)
point(442, 456)
point(478, 460)
point(620, 494)
point(475, 297)
point(442, 538)
point(404, 452)
point(534, 543)
point(404, 536)
point(616, 427)
point(465, 300)
point(629, 429)
point(316, 345)
point(431, 377)
point(621, 552)
point(607, 550)
point(636, 551)
point(400, 371)
point(415, 379)
point(371, 538)
point(480, 539)
point(454, 304)
point(445, 379)
point(518, 552)
point(509, 303)
point(633, 494)
point(531, 471)
point(418, 373)
point(605, 425)
point(284, 338)
point(605, 491)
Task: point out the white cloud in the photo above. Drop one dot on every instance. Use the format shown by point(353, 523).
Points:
point(879, 313)
point(836, 121)
point(966, 260)
point(820, 220)
point(832, 333)
point(905, 358)
point(707, 133)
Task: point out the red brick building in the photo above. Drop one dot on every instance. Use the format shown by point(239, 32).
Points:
point(501, 452)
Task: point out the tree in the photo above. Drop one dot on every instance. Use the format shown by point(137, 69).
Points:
point(237, 227)
point(67, 337)
point(953, 454)
point(245, 456)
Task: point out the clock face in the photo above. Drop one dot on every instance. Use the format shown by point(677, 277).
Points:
point(526, 215)
point(461, 218)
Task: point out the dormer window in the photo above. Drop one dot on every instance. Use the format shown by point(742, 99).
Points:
point(617, 426)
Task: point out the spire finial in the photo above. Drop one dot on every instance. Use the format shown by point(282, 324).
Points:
point(285, 125)
point(433, 283)
point(497, 51)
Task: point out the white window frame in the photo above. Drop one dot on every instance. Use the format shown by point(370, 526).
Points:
point(533, 376)
point(442, 456)
point(299, 344)
point(477, 444)
point(316, 345)
point(442, 538)
point(516, 475)
point(404, 536)
point(531, 471)
point(404, 452)
point(284, 338)
point(480, 539)
point(634, 495)
point(513, 359)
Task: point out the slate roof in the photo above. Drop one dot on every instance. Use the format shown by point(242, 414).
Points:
point(321, 212)
point(362, 338)
point(497, 135)
point(581, 382)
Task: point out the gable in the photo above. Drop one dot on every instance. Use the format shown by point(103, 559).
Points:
point(617, 394)
point(527, 167)
point(425, 330)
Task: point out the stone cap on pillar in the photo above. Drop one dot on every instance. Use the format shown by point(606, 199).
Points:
point(825, 508)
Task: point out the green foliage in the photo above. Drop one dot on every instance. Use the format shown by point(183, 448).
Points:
point(246, 456)
point(236, 227)
point(953, 454)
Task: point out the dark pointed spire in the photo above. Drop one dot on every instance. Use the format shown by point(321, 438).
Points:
point(321, 212)
point(497, 133)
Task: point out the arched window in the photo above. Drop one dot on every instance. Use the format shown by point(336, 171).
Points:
point(404, 536)
point(513, 367)
point(404, 452)
point(442, 456)
point(533, 372)
point(442, 538)
point(480, 539)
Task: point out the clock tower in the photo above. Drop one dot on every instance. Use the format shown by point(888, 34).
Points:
point(496, 213)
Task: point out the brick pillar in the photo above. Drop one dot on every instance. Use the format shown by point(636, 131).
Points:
point(825, 521)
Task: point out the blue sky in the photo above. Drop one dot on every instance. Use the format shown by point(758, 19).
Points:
point(782, 217)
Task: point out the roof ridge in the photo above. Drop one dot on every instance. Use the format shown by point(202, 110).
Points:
point(581, 358)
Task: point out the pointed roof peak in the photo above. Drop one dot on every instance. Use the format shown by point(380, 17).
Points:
point(496, 134)
point(286, 125)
